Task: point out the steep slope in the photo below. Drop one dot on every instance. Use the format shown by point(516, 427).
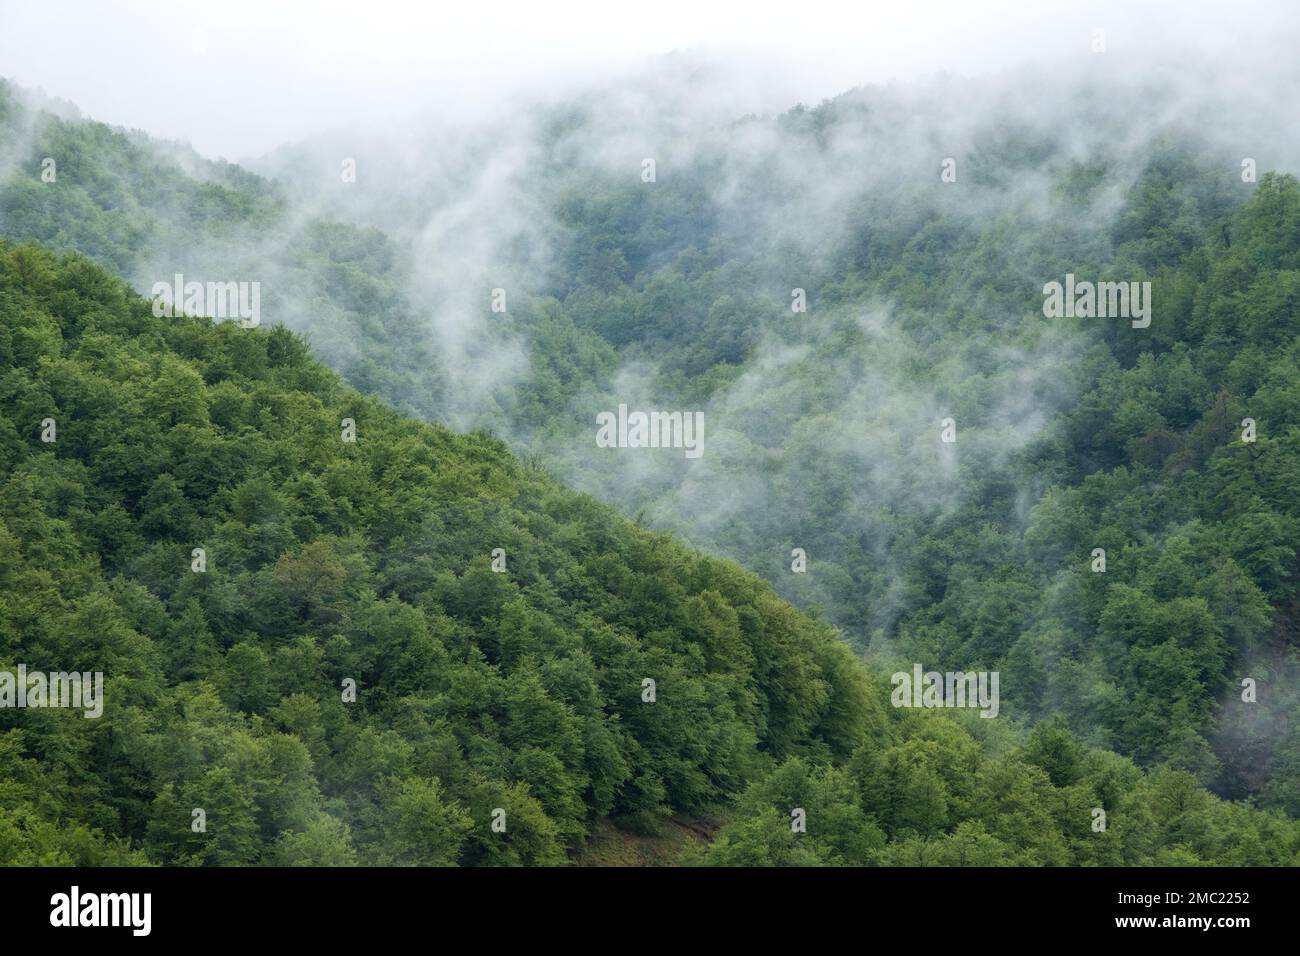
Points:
point(370, 561)
point(925, 303)
point(515, 695)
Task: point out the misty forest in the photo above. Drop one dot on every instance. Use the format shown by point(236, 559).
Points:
point(430, 602)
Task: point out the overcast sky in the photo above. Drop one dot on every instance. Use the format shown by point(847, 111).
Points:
point(236, 78)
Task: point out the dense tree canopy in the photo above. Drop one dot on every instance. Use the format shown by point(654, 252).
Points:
point(479, 689)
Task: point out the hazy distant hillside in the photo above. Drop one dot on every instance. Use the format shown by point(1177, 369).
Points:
point(149, 210)
point(924, 302)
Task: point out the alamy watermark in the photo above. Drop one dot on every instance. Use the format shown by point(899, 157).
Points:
point(56, 689)
point(217, 300)
point(130, 910)
point(1100, 300)
point(651, 430)
point(951, 689)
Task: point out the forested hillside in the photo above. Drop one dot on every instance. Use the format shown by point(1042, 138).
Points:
point(328, 560)
point(148, 210)
point(1069, 440)
point(477, 691)
point(925, 301)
